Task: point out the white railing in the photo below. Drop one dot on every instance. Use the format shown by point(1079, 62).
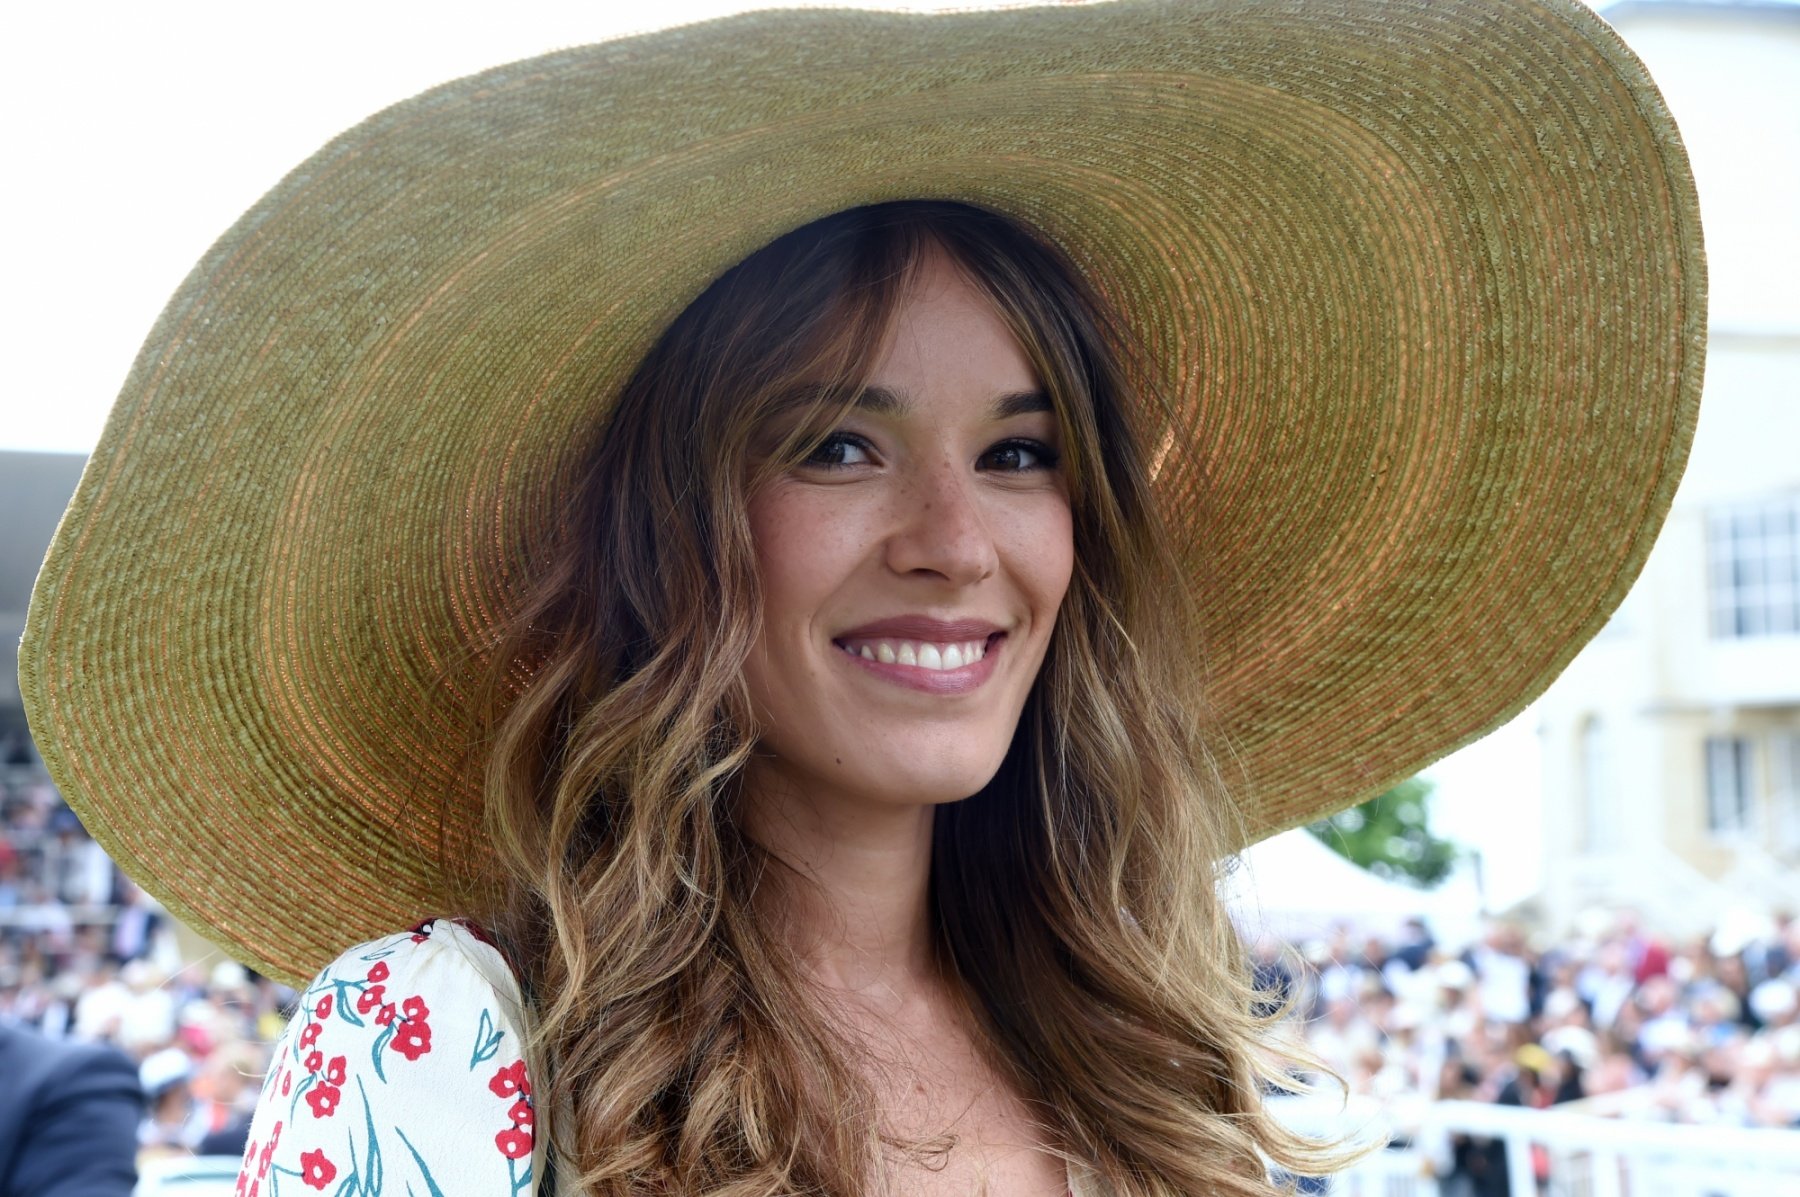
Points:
point(1586, 1156)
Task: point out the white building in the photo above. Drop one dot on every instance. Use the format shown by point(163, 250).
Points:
point(1671, 747)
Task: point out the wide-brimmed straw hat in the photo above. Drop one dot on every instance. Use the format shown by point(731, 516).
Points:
point(1424, 278)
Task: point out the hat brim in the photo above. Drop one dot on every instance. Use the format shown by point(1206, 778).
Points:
point(1426, 281)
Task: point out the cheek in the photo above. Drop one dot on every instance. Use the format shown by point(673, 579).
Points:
point(1041, 548)
point(797, 545)
point(805, 551)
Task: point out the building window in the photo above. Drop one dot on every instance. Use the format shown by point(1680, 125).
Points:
point(1784, 770)
point(1728, 784)
point(1754, 556)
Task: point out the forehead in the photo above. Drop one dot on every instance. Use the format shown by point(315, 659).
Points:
point(946, 339)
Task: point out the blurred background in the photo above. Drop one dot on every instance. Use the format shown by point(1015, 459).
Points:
point(1563, 960)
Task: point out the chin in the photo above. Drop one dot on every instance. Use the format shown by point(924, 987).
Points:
point(938, 791)
point(907, 785)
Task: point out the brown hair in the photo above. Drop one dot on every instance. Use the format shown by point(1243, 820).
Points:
point(1073, 895)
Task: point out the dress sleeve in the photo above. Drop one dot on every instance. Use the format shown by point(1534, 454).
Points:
point(402, 1073)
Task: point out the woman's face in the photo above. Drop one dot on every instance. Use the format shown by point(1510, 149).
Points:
point(913, 566)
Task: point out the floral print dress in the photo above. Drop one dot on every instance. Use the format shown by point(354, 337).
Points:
point(401, 1073)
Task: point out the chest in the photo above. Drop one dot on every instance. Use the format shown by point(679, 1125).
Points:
point(956, 1128)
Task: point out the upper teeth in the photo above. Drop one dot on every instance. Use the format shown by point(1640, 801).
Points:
point(919, 653)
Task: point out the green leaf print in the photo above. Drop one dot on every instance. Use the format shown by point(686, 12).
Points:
point(487, 1041)
point(299, 1092)
point(431, 1185)
point(345, 1010)
point(375, 1053)
point(371, 1166)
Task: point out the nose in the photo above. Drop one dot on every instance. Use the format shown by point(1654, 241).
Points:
point(939, 526)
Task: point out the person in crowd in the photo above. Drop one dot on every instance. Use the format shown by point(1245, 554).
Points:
point(168, 1126)
point(225, 1091)
point(68, 1118)
point(1415, 944)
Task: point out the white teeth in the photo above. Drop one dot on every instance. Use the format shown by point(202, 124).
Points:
point(921, 655)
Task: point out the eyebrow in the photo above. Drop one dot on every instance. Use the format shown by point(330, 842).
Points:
point(885, 402)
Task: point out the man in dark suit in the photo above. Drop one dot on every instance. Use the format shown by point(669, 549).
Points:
point(68, 1118)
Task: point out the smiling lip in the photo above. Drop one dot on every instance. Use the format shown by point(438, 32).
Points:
point(921, 627)
point(932, 631)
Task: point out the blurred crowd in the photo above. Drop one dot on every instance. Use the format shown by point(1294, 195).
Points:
point(85, 956)
point(1611, 1019)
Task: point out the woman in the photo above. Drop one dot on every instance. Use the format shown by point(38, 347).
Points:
point(515, 516)
point(891, 433)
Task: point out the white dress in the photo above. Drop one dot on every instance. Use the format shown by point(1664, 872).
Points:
point(401, 1073)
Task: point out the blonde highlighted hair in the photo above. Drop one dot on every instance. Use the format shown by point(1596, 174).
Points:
point(1073, 896)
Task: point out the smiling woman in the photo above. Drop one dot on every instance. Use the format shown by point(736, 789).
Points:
point(925, 528)
point(786, 528)
point(933, 415)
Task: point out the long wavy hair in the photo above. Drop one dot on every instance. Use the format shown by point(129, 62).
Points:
point(1073, 897)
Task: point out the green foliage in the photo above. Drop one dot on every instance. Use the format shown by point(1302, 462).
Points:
point(1390, 836)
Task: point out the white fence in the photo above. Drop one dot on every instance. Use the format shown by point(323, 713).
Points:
point(1586, 1156)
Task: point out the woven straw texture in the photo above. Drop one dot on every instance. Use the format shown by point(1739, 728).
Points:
point(1426, 278)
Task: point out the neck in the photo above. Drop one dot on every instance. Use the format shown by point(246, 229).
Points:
point(855, 909)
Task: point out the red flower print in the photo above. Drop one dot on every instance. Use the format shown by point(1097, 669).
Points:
point(310, 1034)
point(412, 1040)
point(322, 1011)
point(415, 1007)
point(287, 1083)
point(323, 1099)
point(253, 1186)
point(385, 1015)
point(378, 971)
point(521, 1113)
point(514, 1144)
point(268, 1153)
point(334, 1072)
point(314, 1061)
point(510, 1080)
point(316, 1170)
point(370, 998)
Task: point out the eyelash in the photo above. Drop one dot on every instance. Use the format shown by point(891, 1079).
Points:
point(1047, 458)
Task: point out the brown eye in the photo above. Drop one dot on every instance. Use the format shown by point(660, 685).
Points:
point(838, 450)
point(1019, 456)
